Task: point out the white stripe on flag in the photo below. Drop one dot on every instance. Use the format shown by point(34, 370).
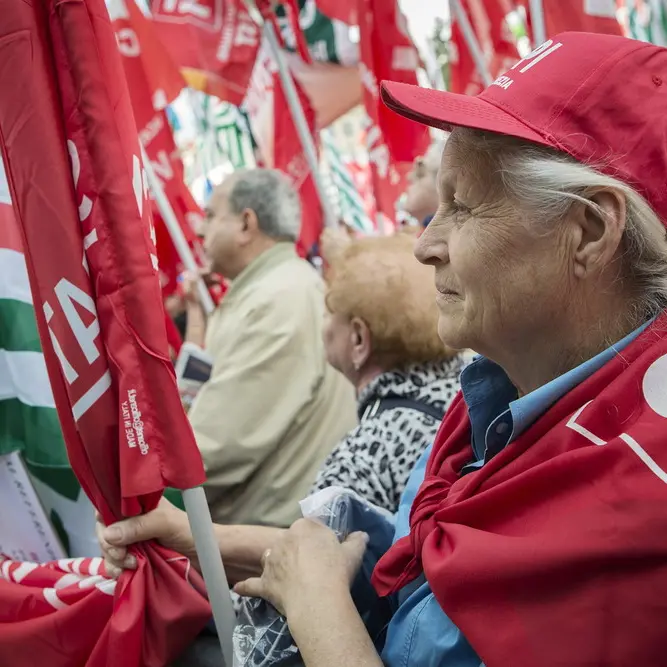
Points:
point(52, 598)
point(23, 375)
point(22, 571)
point(14, 282)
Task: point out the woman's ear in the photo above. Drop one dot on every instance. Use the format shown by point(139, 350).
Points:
point(599, 231)
point(361, 344)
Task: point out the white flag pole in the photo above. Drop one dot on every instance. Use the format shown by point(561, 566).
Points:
point(297, 112)
point(537, 22)
point(472, 42)
point(196, 506)
point(175, 232)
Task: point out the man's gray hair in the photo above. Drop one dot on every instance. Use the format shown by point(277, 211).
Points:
point(270, 195)
point(549, 182)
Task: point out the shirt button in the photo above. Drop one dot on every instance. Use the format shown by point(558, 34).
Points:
point(502, 428)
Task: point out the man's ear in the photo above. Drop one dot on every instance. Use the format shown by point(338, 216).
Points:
point(600, 226)
point(249, 223)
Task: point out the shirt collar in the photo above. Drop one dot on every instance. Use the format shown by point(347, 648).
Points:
point(497, 414)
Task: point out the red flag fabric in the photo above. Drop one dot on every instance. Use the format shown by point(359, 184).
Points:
point(387, 53)
point(154, 80)
point(580, 15)
point(290, 158)
point(70, 148)
point(339, 10)
point(280, 147)
point(215, 42)
point(147, 63)
point(561, 534)
point(488, 20)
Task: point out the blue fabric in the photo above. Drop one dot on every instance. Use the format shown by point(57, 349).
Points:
point(426, 220)
point(420, 634)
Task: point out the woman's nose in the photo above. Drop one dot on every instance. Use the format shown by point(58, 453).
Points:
point(432, 246)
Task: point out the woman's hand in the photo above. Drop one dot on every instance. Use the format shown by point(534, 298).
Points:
point(165, 523)
point(307, 560)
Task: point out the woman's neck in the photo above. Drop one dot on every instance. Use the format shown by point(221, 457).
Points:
point(534, 363)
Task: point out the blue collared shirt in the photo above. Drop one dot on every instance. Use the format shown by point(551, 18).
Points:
point(420, 634)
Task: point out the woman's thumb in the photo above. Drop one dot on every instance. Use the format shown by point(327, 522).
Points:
point(128, 531)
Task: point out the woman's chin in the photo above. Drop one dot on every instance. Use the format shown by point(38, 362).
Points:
point(452, 332)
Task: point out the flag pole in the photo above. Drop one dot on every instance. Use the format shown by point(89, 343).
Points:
point(296, 110)
point(196, 506)
point(175, 232)
point(537, 23)
point(457, 11)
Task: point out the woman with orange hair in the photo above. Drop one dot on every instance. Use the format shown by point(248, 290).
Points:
point(381, 333)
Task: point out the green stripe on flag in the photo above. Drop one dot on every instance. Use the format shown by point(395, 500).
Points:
point(18, 329)
point(33, 429)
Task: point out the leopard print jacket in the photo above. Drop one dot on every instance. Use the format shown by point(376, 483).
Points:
point(376, 458)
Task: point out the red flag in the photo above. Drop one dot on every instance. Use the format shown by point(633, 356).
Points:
point(339, 10)
point(147, 63)
point(153, 81)
point(278, 141)
point(70, 148)
point(215, 42)
point(387, 52)
point(488, 20)
point(580, 15)
point(290, 158)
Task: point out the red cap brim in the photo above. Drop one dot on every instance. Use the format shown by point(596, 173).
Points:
point(444, 110)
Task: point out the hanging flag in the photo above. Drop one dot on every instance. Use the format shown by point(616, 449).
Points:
point(71, 154)
point(154, 81)
point(214, 42)
point(278, 141)
point(345, 11)
point(28, 419)
point(581, 15)
point(387, 53)
point(489, 21)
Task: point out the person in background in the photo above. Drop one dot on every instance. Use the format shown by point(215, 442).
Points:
point(381, 333)
point(421, 197)
point(273, 408)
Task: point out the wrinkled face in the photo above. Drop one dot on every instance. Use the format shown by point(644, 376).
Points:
point(499, 277)
point(223, 234)
point(338, 337)
point(421, 197)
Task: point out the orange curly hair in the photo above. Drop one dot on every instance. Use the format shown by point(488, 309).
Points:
point(378, 280)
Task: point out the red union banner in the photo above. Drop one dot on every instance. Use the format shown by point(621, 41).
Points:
point(154, 81)
point(489, 22)
point(387, 53)
point(71, 154)
point(215, 42)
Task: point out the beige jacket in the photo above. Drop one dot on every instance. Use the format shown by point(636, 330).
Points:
point(273, 408)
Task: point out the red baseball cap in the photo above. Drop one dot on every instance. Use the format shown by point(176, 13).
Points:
point(600, 98)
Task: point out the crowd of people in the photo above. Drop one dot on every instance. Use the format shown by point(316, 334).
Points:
point(528, 486)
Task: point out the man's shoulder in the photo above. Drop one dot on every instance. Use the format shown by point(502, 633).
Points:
point(291, 275)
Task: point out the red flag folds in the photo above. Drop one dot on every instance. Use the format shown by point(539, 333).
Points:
point(215, 42)
point(387, 52)
point(71, 152)
point(488, 20)
point(580, 15)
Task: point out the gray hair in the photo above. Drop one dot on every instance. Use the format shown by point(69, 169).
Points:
point(549, 182)
point(271, 196)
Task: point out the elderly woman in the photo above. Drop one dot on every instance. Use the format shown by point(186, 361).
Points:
point(535, 533)
point(381, 333)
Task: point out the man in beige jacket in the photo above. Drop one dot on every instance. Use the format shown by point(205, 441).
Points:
point(273, 408)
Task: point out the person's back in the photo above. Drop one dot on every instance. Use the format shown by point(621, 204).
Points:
point(316, 406)
point(273, 408)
